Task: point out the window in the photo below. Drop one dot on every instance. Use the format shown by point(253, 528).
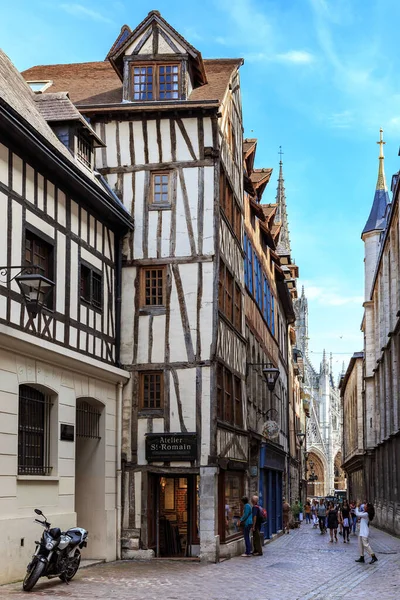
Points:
point(168, 82)
point(143, 83)
point(152, 390)
point(233, 490)
point(231, 138)
point(229, 297)
point(246, 269)
point(160, 188)
point(40, 253)
point(33, 432)
point(153, 286)
point(250, 266)
point(155, 82)
point(84, 150)
point(229, 205)
point(91, 286)
point(229, 397)
point(238, 402)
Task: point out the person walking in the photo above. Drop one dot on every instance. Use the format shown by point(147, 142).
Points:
point(256, 527)
point(345, 513)
point(321, 512)
point(286, 516)
point(353, 522)
point(332, 521)
point(246, 520)
point(365, 516)
point(307, 510)
point(314, 513)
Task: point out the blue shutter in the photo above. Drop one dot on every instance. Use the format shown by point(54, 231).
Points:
point(250, 265)
point(246, 281)
point(273, 315)
point(268, 305)
point(265, 298)
point(260, 302)
point(256, 274)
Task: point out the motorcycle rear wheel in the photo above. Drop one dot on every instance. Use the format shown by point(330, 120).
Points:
point(73, 567)
point(33, 575)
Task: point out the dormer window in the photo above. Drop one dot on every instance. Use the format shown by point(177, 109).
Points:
point(84, 149)
point(155, 82)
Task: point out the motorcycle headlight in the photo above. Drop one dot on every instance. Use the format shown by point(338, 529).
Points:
point(50, 545)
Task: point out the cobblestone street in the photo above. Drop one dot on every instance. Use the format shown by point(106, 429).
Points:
point(299, 566)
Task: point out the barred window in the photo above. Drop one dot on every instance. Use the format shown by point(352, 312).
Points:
point(84, 150)
point(152, 390)
point(153, 286)
point(33, 432)
point(40, 253)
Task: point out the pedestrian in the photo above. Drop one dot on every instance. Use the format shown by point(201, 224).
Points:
point(345, 514)
point(286, 516)
point(246, 521)
point(314, 513)
point(307, 510)
point(332, 521)
point(365, 516)
point(257, 548)
point(321, 512)
point(353, 522)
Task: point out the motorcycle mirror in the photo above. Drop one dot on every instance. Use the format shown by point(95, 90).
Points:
point(38, 511)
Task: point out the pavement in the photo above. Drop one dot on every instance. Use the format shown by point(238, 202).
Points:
point(300, 566)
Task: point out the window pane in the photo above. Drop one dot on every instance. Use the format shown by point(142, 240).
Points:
point(233, 509)
point(154, 287)
point(168, 76)
point(152, 390)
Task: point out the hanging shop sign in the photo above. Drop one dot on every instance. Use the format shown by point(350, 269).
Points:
point(171, 446)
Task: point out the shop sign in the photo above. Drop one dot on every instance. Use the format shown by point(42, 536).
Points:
point(171, 446)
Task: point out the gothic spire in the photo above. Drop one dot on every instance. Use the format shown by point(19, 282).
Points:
point(381, 183)
point(376, 219)
point(281, 219)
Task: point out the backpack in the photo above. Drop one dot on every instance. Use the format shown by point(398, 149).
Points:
point(262, 514)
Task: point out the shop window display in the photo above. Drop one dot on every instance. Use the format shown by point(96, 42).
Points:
point(233, 510)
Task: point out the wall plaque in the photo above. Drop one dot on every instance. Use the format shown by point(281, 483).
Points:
point(67, 433)
point(171, 446)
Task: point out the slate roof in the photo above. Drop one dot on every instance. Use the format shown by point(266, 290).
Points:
point(56, 107)
point(95, 83)
point(377, 217)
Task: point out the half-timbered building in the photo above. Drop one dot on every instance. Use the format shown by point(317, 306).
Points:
point(268, 314)
point(60, 383)
point(172, 124)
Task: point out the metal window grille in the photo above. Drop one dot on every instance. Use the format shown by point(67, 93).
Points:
point(87, 421)
point(33, 432)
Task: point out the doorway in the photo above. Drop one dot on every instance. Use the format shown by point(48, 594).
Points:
point(173, 522)
point(90, 474)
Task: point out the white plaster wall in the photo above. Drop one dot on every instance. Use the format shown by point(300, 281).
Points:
point(54, 494)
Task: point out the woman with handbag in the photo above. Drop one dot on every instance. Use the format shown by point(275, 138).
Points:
point(346, 521)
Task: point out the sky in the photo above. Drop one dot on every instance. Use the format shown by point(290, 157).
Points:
point(320, 78)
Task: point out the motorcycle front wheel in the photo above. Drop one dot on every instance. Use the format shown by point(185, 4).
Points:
point(73, 566)
point(32, 576)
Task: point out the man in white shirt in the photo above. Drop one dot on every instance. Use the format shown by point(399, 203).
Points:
point(365, 514)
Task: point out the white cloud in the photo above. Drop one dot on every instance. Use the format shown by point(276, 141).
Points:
point(341, 120)
point(77, 10)
point(296, 57)
point(331, 296)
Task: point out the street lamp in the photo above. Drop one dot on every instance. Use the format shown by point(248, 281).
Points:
point(271, 375)
point(35, 288)
point(300, 436)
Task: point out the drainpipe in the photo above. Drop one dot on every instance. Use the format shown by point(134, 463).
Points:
point(118, 461)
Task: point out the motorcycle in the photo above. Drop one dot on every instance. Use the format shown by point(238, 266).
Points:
point(58, 554)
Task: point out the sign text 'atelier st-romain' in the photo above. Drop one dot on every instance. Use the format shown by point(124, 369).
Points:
point(171, 446)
